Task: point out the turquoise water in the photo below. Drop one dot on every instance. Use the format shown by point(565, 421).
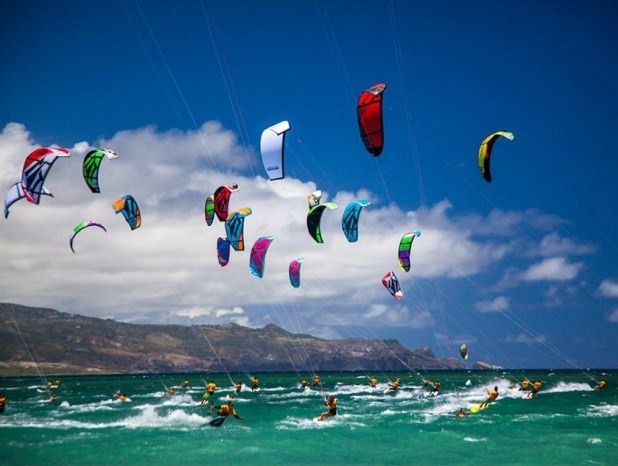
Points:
point(566, 423)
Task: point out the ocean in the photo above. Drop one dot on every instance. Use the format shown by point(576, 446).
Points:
point(567, 423)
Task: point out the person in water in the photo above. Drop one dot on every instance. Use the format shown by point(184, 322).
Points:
point(210, 391)
point(2, 402)
point(394, 385)
point(435, 388)
point(185, 383)
point(120, 396)
point(255, 383)
point(536, 388)
point(524, 385)
point(316, 380)
point(226, 409)
point(600, 385)
point(331, 404)
point(373, 382)
point(492, 395)
point(304, 383)
point(53, 398)
point(461, 413)
point(238, 387)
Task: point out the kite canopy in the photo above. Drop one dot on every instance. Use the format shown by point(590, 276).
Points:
point(314, 217)
point(369, 113)
point(234, 227)
point(272, 146)
point(130, 210)
point(222, 199)
point(82, 226)
point(485, 151)
point(349, 221)
point(463, 350)
point(90, 168)
point(392, 285)
point(15, 193)
point(209, 209)
point(223, 251)
point(257, 259)
point(294, 270)
point(404, 249)
point(36, 169)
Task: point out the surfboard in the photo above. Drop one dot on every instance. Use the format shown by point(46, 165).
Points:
point(477, 407)
point(217, 422)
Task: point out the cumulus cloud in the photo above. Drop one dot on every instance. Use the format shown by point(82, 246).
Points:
point(167, 270)
point(553, 245)
point(552, 269)
point(609, 289)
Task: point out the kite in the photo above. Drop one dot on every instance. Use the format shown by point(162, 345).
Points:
point(313, 220)
point(485, 152)
point(295, 272)
point(234, 227)
point(392, 285)
point(272, 146)
point(80, 227)
point(404, 249)
point(209, 209)
point(257, 259)
point(36, 169)
point(129, 208)
point(349, 221)
point(222, 199)
point(313, 199)
point(15, 193)
point(369, 112)
point(223, 251)
point(463, 350)
point(90, 168)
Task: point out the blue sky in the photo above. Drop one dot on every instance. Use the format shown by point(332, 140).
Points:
point(524, 269)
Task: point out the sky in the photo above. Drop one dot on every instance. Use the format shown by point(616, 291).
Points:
point(524, 269)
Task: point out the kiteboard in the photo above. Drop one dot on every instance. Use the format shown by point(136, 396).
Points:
point(477, 407)
point(217, 422)
point(528, 396)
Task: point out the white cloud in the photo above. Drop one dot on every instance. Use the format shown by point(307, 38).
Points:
point(498, 304)
point(552, 245)
point(167, 270)
point(609, 289)
point(552, 269)
point(613, 316)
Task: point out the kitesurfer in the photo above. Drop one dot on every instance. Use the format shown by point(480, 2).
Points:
point(524, 385)
point(185, 383)
point(536, 388)
point(394, 385)
point(255, 383)
point(331, 404)
point(2, 402)
point(170, 392)
point(493, 394)
point(316, 380)
point(434, 389)
point(238, 387)
point(210, 391)
point(461, 413)
point(600, 385)
point(373, 381)
point(226, 409)
point(304, 383)
point(53, 398)
point(120, 396)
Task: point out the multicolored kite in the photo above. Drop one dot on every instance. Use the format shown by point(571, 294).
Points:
point(90, 168)
point(36, 169)
point(404, 249)
point(80, 227)
point(314, 216)
point(222, 200)
point(392, 285)
point(130, 210)
point(15, 193)
point(485, 151)
point(234, 227)
point(294, 270)
point(257, 259)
